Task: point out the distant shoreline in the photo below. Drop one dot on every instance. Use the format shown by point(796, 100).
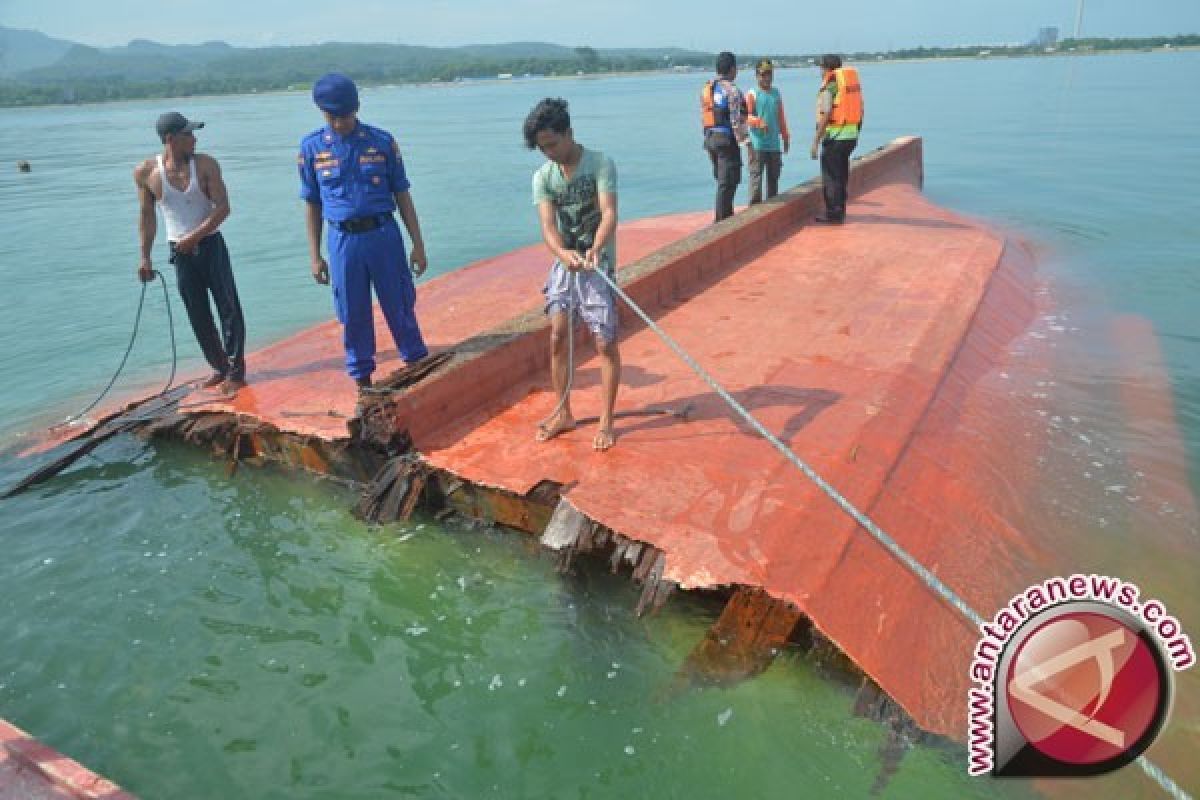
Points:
point(983, 55)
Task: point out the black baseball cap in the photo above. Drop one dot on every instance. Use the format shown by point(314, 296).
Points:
point(174, 122)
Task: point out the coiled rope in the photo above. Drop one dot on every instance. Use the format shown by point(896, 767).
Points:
point(129, 348)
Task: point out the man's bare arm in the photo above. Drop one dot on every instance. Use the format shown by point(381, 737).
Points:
point(822, 124)
point(553, 238)
point(209, 173)
point(607, 229)
point(147, 221)
point(824, 112)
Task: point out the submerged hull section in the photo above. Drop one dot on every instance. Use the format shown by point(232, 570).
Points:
point(897, 355)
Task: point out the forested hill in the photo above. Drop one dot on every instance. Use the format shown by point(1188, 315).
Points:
point(36, 69)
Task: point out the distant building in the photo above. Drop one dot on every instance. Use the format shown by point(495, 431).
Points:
point(1046, 37)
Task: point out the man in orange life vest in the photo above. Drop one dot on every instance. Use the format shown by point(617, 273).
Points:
point(723, 117)
point(839, 121)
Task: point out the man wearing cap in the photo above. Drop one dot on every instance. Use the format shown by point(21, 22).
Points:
point(352, 178)
point(187, 187)
point(839, 123)
point(768, 130)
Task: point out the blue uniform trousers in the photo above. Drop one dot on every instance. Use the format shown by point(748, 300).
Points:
point(358, 261)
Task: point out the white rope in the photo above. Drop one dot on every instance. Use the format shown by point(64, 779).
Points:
point(1163, 779)
point(891, 545)
point(573, 303)
point(929, 579)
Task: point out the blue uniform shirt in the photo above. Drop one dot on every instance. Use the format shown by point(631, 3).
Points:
point(721, 105)
point(351, 176)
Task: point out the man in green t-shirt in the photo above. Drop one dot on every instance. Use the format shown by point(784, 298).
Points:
point(575, 192)
point(769, 135)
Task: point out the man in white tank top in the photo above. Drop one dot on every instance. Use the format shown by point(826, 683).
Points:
point(187, 187)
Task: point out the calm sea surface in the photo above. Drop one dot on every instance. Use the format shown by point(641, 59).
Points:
point(193, 637)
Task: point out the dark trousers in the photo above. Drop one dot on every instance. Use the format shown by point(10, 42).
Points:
point(768, 162)
point(726, 159)
point(835, 174)
point(207, 271)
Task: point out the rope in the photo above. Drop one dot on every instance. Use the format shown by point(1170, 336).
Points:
point(891, 545)
point(574, 304)
point(930, 580)
point(1163, 779)
point(129, 348)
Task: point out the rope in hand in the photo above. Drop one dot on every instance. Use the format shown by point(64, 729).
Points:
point(927, 577)
point(129, 348)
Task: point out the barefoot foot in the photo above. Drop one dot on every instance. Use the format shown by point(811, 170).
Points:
point(552, 426)
point(605, 438)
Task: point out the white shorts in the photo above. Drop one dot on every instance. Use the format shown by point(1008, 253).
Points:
point(586, 293)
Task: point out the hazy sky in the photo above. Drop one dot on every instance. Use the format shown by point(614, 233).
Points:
point(782, 26)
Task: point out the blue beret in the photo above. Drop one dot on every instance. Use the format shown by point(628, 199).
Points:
point(336, 94)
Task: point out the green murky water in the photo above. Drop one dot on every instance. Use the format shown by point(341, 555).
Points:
point(193, 636)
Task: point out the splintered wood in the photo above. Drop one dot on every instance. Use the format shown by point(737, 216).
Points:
point(570, 533)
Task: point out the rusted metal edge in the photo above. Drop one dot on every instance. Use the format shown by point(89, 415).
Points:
point(750, 633)
point(752, 630)
point(62, 775)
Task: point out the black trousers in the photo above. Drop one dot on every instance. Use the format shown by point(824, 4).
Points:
point(726, 159)
point(771, 163)
point(835, 174)
point(207, 271)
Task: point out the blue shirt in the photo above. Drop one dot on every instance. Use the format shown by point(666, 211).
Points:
point(351, 176)
point(726, 96)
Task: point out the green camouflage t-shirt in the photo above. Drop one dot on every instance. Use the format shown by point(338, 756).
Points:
point(577, 201)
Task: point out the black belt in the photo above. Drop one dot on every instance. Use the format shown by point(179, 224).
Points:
point(362, 224)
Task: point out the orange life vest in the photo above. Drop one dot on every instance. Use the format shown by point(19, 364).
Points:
point(848, 101)
point(713, 115)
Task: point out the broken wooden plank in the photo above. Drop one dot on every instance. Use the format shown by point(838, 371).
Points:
point(751, 631)
point(646, 562)
point(234, 455)
point(412, 374)
point(415, 489)
point(566, 526)
point(527, 514)
point(133, 417)
point(618, 554)
point(392, 495)
point(78, 449)
point(650, 583)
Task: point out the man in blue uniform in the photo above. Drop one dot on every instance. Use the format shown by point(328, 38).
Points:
point(352, 177)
